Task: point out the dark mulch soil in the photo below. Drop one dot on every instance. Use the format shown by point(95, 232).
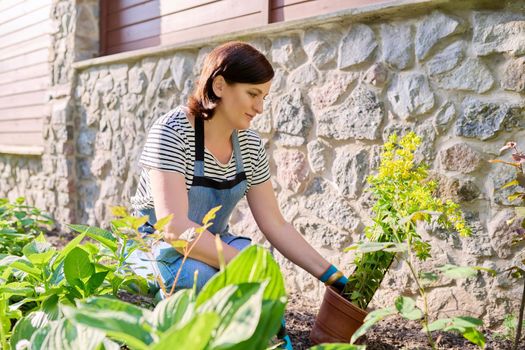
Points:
point(390, 334)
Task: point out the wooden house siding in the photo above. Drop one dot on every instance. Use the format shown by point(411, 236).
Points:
point(134, 24)
point(25, 38)
point(287, 10)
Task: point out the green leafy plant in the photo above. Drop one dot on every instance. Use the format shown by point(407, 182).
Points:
point(239, 308)
point(517, 271)
point(44, 275)
point(401, 189)
point(405, 197)
point(19, 224)
point(406, 307)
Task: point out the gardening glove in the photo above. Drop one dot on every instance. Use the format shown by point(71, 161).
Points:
point(282, 335)
point(335, 278)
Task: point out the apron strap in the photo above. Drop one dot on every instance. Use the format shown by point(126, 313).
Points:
point(199, 139)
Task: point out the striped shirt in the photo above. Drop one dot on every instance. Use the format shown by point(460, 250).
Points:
point(170, 146)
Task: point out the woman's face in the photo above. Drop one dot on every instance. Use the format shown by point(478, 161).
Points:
point(241, 103)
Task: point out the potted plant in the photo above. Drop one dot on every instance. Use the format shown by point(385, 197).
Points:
point(402, 189)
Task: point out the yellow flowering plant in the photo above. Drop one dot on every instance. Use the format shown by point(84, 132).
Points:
point(405, 196)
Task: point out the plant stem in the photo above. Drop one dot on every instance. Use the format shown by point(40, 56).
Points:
point(520, 318)
point(186, 254)
point(421, 292)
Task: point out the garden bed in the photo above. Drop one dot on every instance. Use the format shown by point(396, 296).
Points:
point(393, 333)
point(390, 334)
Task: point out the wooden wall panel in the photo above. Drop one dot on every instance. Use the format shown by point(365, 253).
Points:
point(25, 38)
point(133, 24)
point(287, 10)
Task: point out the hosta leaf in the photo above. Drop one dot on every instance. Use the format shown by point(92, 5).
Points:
point(27, 267)
point(117, 324)
point(269, 323)
point(26, 326)
point(242, 320)
point(177, 309)
point(63, 335)
point(453, 271)
point(38, 251)
point(253, 264)
point(113, 304)
point(195, 335)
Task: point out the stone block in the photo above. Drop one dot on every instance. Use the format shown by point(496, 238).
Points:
point(432, 29)
point(410, 95)
point(359, 117)
point(321, 47)
point(460, 157)
point(397, 45)
point(356, 46)
point(471, 75)
point(350, 169)
point(498, 32)
point(288, 52)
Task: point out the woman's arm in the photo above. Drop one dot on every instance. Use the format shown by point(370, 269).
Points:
point(281, 234)
point(170, 197)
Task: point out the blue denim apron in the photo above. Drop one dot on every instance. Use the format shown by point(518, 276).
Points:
point(204, 194)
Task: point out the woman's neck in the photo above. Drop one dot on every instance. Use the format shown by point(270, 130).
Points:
point(217, 130)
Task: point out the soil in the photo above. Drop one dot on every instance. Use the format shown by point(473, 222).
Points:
point(390, 334)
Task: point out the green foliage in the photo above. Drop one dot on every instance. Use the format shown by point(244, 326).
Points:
point(240, 308)
point(43, 277)
point(19, 224)
point(403, 195)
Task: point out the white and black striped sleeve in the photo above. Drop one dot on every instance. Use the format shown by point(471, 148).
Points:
point(261, 171)
point(164, 149)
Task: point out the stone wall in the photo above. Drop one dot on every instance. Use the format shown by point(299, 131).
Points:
point(454, 74)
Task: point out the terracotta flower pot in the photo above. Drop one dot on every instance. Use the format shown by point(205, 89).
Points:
point(337, 319)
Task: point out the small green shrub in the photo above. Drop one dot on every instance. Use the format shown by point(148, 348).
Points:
point(19, 224)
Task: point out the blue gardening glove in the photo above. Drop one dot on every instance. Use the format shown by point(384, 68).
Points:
point(282, 335)
point(335, 278)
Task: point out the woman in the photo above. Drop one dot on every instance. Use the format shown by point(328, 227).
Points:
point(202, 155)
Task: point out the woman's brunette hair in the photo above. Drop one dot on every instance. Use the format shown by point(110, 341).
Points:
point(237, 62)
